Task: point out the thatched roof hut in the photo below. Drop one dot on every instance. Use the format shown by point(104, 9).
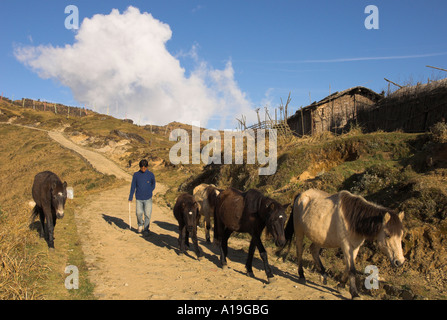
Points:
point(410, 109)
point(334, 113)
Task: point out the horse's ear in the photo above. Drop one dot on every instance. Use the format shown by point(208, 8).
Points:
point(401, 216)
point(285, 206)
point(386, 218)
point(271, 205)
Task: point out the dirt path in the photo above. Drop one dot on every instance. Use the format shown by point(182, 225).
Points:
point(124, 265)
point(98, 161)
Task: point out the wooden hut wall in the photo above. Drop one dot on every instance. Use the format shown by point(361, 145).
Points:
point(335, 115)
point(410, 110)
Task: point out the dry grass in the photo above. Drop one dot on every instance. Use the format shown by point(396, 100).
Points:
point(20, 271)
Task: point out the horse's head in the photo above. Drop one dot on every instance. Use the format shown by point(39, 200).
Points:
point(390, 238)
point(277, 217)
point(190, 213)
point(58, 198)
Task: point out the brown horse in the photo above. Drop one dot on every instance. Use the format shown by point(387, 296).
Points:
point(49, 194)
point(345, 221)
point(186, 210)
point(248, 212)
point(206, 196)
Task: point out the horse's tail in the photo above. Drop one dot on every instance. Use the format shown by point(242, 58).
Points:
point(289, 231)
point(34, 214)
point(290, 228)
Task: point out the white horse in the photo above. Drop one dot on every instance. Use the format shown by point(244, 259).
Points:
point(345, 221)
point(206, 197)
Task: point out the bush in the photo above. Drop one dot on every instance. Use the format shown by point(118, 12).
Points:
point(427, 204)
point(439, 132)
point(375, 178)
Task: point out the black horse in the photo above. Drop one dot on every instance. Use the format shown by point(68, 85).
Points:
point(248, 212)
point(49, 194)
point(186, 211)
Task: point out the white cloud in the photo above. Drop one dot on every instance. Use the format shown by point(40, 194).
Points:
point(122, 59)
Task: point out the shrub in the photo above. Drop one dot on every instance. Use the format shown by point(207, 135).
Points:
point(439, 132)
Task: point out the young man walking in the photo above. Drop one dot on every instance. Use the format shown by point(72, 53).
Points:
point(143, 184)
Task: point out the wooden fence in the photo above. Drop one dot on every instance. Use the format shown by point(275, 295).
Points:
point(410, 109)
point(49, 106)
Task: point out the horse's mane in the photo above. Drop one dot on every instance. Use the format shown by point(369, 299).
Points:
point(211, 194)
point(366, 218)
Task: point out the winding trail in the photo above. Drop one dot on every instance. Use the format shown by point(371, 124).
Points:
point(124, 265)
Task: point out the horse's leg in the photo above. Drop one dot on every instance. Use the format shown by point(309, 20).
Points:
point(263, 254)
point(345, 275)
point(350, 271)
point(352, 279)
point(207, 226)
point(181, 238)
point(54, 222)
point(186, 237)
point(224, 247)
point(196, 244)
point(50, 227)
point(43, 230)
point(315, 250)
point(249, 264)
point(299, 254)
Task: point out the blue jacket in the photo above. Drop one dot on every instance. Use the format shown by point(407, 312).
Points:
point(144, 184)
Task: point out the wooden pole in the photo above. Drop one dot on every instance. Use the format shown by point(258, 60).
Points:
point(397, 85)
point(331, 122)
point(287, 105)
point(311, 123)
point(302, 120)
point(259, 119)
point(130, 219)
point(437, 68)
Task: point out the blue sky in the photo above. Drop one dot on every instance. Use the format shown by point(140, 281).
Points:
point(239, 55)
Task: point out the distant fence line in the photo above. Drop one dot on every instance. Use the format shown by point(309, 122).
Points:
point(56, 108)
